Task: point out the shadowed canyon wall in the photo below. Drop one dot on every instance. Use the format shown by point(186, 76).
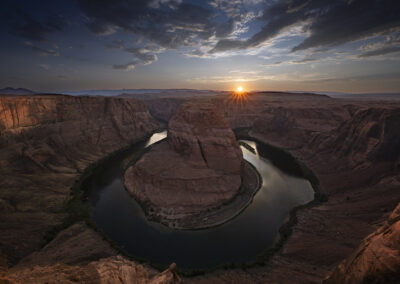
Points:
point(45, 143)
point(352, 147)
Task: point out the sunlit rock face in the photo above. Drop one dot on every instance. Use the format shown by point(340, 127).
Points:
point(377, 259)
point(198, 168)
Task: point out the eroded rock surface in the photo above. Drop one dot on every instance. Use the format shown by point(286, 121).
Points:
point(200, 133)
point(377, 259)
point(107, 270)
point(344, 143)
point(197, 169)
point(46, 141)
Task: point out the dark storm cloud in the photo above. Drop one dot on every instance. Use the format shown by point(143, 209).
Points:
point(328, 23)
point(168, 23)
point(25, 25)
point(351, 21)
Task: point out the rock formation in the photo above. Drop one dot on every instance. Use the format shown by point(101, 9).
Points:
point(199, 132)
point(79, 255)
point(377, 259)
point(116, 270)
point(370, 136)
point(199, 168)
point(46, 141)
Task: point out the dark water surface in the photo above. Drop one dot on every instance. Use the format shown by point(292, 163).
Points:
point(239, 240)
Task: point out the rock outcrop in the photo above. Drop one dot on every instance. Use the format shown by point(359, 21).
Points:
point(106, 270)
point(199, 133)
point(79, 255)
point(377, 259)
point(46, 141)
point(370, 136)
point(199, 168)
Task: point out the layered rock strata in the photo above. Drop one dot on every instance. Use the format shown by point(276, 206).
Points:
point(197, 169)
point(46, 141)
point(361, 176)
point(350, 146)
point(376, 260)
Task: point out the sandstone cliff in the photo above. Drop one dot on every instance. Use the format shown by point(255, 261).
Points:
point(376, 260)
point(200, 133)
point(198, 169)
point(370, 136)
point(115, 270)
point(45, 143)
point(43, 150)
point(344, 143)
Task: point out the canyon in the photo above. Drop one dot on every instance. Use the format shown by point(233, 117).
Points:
point(200, 168)
point(353, 148)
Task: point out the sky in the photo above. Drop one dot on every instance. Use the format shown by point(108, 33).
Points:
point(283, 45)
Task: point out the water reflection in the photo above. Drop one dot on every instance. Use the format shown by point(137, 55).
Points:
point(156, 137)
point(238, 240)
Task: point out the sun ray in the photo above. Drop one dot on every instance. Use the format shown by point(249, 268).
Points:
point(239, 96)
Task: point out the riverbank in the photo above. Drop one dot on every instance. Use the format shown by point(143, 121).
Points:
point(247, 225)
point(251, 183)
point(245, 194)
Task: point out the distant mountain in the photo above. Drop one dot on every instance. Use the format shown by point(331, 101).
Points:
point(365, 96)
point(16, 91)
point(145, 94)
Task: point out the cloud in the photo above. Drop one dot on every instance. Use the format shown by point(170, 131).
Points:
point(380, 51)
point(26, 26)
point(170, 3)
point(126, 67)
point(141, 55)
point(259, 76)
point(305, 60)
point(116, 44)
point(45, 66)
point(391, 44)
point(326, 23)
point(42, 51)
point(170, 24)
point(349, 21)
point(225, 28)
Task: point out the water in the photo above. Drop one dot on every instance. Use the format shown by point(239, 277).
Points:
point(239, 240)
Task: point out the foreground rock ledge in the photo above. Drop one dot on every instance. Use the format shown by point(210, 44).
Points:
point(198, 171)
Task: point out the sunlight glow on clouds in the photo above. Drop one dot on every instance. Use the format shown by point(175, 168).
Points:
point(183, 43)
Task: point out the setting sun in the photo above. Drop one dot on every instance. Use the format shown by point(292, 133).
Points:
point(239, 96)
point(239, 89)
